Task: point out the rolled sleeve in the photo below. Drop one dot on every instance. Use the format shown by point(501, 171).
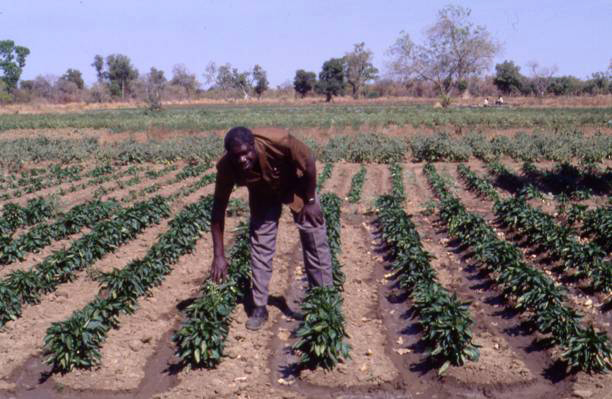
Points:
point(300, 154)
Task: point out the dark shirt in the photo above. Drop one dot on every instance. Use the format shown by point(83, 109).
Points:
point(282, 163)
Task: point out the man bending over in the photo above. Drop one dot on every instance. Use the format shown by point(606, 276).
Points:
point(277, 169)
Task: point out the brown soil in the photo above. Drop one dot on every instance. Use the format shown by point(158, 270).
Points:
point(69, 297)
point(74, 197)
point(387, 356)
point(38, 107)
point(580, 296)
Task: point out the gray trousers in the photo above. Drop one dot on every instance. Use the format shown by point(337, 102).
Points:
point(263, 229)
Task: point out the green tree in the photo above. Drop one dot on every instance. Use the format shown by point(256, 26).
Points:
point(74, 76)
point(261, 80)
point(155, 82)
point(120, 74)
point(358, 68)
point(304, 82)
point(230, 79)
point(12, 62)
point(508, 78)
point(564, 86)
point(98, 64)
point(599, 83)
point(453, 51)
point(331, 79)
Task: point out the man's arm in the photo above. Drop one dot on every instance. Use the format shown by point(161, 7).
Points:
point(222, 194)
point(310, 178)
point(304, 160)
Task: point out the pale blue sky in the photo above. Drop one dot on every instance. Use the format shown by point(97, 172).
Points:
point(284, 36)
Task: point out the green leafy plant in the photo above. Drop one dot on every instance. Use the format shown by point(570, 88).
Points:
point(76, 341)
point(201, 338)
point(530, 290)
point(357, 182)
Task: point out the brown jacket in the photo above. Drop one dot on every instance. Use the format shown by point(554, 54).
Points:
point(282, 163)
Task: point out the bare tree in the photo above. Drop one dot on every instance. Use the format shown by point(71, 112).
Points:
point(540, 77)
point(358, 68)
point(210, 73)
point(454, 50)
point(182, 77)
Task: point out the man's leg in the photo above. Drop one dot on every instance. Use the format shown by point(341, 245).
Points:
point(263, 229)
point(317, 255)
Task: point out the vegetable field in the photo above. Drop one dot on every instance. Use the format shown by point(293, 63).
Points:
point(464, 266)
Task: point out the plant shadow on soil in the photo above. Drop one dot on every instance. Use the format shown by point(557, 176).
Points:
point(397, 295)
point(556, 371)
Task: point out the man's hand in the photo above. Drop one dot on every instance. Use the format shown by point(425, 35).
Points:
point(219, 269)
point(312, 214)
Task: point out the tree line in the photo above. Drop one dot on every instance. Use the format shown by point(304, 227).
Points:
point(452, 59)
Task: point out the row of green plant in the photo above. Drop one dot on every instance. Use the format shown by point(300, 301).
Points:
point(58, 176)
point(561, 147)
point(397, 181)
point(223, 117)
point(324, 175)
point(76, 341)
point(38, 179)
point(597, 224)
point(95, 176)
point(444, 319)
point(15, 216)
point(27, 286)
point(330, 206)
point(361, 147)
point(570, 182)
point(322, 334)
point(43, 234)
point(14, 153)
point(529, 290)
point(121, 184)
point(200, 340)
point(357, 182)
point(156, 174)
point(541, 229)
point(106, 235)
point(23, 174)
point(133, 195)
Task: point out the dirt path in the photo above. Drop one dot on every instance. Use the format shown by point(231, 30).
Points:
point(549, 373)
point(340, 181)
point(579, 296)
point(370, 365)
point(128, 349)
point(245, 371)
point(33, 258)
point(63, 191)
point(57, 306)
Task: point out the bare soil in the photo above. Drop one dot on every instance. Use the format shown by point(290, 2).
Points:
point(40, 106)
point(388, 359)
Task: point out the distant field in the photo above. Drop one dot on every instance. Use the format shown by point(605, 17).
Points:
point(215, 117)
point(468, 242)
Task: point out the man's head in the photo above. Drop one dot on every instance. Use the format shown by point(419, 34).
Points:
point(240, 145)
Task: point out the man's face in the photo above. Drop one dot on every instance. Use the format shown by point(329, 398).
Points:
point(243, 156)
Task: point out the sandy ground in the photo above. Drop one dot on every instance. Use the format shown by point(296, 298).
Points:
point(387, 358)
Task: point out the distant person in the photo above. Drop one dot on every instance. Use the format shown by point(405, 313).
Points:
point(277, 169)
point(499, 101)
point(485, 102)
